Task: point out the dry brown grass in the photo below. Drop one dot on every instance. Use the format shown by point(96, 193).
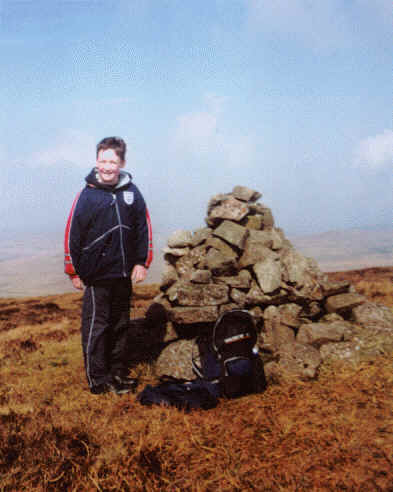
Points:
point(335, 433)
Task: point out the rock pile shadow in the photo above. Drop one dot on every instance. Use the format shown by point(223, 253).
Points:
point(240, 259)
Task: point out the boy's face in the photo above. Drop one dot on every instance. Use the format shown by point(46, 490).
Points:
point(108, 166)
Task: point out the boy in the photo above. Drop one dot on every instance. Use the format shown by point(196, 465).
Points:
point(108, 245)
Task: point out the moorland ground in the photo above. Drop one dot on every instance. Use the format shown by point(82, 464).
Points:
point(333, 433)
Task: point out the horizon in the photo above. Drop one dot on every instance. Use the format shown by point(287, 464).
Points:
point(32, 265)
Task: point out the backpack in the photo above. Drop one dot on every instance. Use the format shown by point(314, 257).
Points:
point(228, 358)
point(183, 394)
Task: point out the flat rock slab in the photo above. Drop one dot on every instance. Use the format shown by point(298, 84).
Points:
point(343, 302)
point(219, 263)
point(187, 294)
point(230, 208)
point(254, 252)
point(180, 239)
point(189, 315)
point(374, 316)
point(200, 235)
point(240, 281)
point(232, 233)
point(246, 194)
point(177, 252)
point(331, 288)
point(295, 267)
point(169, 276)
point(318, 334)
point(201, 276)
point(289, 314)
point(268, 273)
point(222, 246)
point(295, 360)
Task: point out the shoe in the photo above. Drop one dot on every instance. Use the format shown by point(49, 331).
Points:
point(99, 389)
point(126, 381)
point(120, 388)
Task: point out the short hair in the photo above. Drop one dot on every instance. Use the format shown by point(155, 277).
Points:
point(115, 143)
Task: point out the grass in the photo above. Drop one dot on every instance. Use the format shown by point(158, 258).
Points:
point(332, 434)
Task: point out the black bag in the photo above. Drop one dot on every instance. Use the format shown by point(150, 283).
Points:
point(183, 394)
point(228, 359)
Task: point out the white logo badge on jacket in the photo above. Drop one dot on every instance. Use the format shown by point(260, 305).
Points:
point(128, 197)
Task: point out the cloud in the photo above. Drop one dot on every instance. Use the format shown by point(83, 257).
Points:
point(71, 146)
point(375, 152)
point(202, 134)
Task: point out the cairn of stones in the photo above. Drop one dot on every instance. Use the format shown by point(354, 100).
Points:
point(240, 260)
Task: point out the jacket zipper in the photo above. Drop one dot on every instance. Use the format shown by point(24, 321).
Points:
point(121, 234)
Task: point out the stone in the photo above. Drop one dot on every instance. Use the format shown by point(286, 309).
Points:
point(187, 294)
point(265, 212)
point(271, 318)
point(289, 314)
point(309, 291)
point(253, 252)
point(169, 277)
point(331, 317)
point(268, 273)
point(227, 307)
point(185, 267)
point(311, 310)
point(340, 351)
point(228, 209)
point(222, 246)
point(331, 288)
point(294, 267)
point(257, 313)
point(216, 200)
point(219, 263)
point(343, 302)
point(300, 360)
point(162, 299)
point(176, 252)
point(241, 281)
point(255, 295)
point(180, 239)
point(200, 235)
point(246, 194)
point(201, 276)
point(175, 360)
point(238, 297)
point(282, 334)
point(198, 254)
point(277, 241)
point(254, 222)
point(190, 315)
point(232, 233)
point(317, 334)
point(371, 315)
point(261, 238)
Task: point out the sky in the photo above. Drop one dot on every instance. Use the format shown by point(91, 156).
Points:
point(293, 99)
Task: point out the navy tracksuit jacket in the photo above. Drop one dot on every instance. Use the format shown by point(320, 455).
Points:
point(108, 232)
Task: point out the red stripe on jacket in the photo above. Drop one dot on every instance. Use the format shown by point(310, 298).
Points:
point(149, 257)
point(68, 266)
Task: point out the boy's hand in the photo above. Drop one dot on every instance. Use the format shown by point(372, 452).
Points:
point(77, 282)
point(138, 273)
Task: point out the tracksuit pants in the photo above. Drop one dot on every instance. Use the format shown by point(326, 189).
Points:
point(105, 321)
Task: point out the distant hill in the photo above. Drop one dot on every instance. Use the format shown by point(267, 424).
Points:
point(348, 250)
point(34, 266)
